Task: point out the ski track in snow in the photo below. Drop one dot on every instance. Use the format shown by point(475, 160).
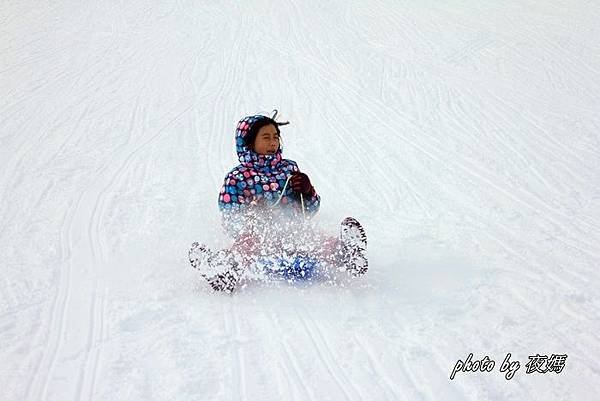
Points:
point(463, 136)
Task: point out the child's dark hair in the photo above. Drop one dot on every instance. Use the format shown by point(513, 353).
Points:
point(249, 138)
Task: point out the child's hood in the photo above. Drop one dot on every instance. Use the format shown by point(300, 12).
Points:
point(247, 156)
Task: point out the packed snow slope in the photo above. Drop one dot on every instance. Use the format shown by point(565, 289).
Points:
point(464, 135)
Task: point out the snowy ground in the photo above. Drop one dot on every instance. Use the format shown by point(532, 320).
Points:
point(464, 135)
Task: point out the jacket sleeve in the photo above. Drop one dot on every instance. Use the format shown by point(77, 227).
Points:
point(233, 204)
point(312, 204)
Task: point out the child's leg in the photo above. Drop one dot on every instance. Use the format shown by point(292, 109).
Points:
point(248, 247)
point(347, 251)
point(327, 249)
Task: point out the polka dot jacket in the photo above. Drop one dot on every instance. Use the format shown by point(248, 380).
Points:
point(259, 179)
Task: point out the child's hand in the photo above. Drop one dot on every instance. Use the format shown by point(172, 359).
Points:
point(300, 183)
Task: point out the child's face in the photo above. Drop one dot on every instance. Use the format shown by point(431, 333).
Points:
point(266, 141)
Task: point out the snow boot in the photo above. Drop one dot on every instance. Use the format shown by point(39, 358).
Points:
point(220, 269)
point(353, 247)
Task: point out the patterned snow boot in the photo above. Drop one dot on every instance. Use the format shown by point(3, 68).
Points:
point(353, 247)
point(220, 269)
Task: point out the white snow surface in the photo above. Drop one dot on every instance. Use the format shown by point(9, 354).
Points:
point(464, 135)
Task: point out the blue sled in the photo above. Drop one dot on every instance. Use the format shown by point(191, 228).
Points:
point(295, 268)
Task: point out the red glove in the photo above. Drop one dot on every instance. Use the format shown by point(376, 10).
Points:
point(300, 183)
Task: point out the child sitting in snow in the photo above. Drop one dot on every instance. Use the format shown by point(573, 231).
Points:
point(265, 203)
